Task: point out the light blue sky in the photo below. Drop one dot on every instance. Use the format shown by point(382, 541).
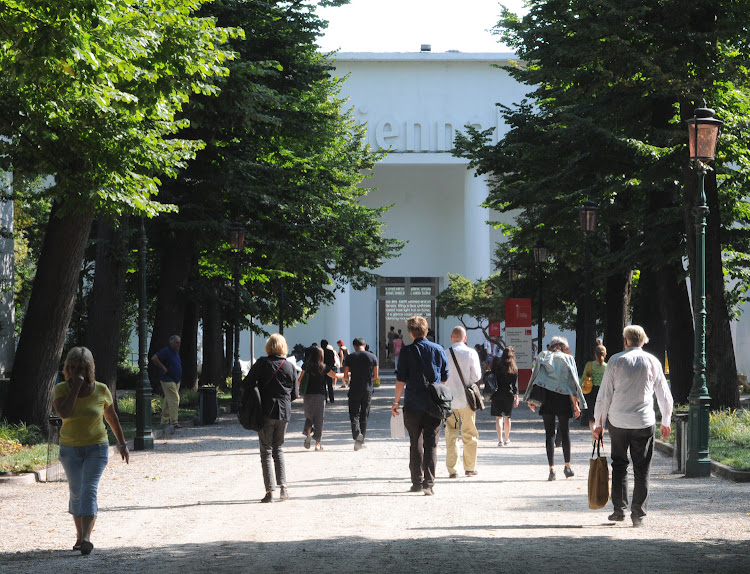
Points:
point(403, 25)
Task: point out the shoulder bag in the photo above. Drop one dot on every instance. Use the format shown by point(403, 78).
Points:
point(598, 478)
point(473, 396)
point(439, 397)
point(250, 411)
point(303, 383)
point(588, 379)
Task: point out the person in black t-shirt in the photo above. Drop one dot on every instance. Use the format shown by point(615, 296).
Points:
point(360, 368)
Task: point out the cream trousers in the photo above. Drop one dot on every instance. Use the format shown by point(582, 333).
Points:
point(462, 422)
point(171, 402)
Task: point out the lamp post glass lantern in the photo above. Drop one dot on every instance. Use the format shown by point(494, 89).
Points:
point(237, 242)
point(588, 213)
point(540, 258)
point(703, 134)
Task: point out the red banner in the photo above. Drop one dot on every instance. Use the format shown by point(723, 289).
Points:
point(518, 335)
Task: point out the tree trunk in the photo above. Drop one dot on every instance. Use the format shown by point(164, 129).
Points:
point(675, 307)
point(103, 334)
point(176, 265)
point(47, 318)
point(647, 314)
point(212, 372)
point(189, 348)
point(722, 372)
point(618, 308)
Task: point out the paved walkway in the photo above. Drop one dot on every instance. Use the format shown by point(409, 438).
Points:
point(191, 505)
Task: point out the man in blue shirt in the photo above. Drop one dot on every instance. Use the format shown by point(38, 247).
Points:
point(170, 374)
point(423, 429)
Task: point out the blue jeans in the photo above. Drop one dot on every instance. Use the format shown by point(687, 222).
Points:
point(83, 466)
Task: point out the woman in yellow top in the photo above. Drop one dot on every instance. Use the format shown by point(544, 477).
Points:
point(595, 370)
point(82, 404)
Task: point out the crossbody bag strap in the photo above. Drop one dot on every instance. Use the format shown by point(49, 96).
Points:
point(420, 364)
point(274, 374)
point(455, 362)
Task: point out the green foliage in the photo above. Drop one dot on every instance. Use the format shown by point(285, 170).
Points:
point(609, 85)
point(21, 433)
point(475, 304)
point(93, 90)
point(284, 161)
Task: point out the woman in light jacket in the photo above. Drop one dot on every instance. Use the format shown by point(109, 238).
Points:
point(555, 372)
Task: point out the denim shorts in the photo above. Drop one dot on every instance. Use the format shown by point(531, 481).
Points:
point(84, 466)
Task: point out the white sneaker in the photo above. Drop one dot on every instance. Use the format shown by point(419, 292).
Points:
point(507, 442)
point(499, 443)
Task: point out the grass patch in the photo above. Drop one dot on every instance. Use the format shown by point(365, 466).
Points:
point(728, 437)
point(22, 448)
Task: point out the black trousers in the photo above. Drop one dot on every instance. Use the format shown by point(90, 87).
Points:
point(359, 412)
point(563, 431)
point(329, 386)
point(424, 432)
point(640, 443)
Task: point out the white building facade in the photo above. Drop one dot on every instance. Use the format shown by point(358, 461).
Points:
point(413, 104)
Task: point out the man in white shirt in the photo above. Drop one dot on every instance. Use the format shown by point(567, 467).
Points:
point(463, 419)
point(626, 398)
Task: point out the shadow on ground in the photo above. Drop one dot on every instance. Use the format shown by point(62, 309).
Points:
point(490, 551)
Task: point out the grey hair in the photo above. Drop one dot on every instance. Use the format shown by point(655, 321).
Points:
point(558, 340)
point(635, 335)
point(173, 337)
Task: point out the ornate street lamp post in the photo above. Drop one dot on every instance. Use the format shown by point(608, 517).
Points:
point(540, 258)
point(236, 242)
point(143, 440)
point(703, 133)
point(588, 214)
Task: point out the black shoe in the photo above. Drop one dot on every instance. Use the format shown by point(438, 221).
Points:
point(616, 517)
point(284, 495)
point(637, 520)
point(551, 475)
point(453, 475)
point(416, 488)
point(428, 491)
point(86, 547)
point(568, 472)
point(471, 473)
point(268, 497)
point(558, 441)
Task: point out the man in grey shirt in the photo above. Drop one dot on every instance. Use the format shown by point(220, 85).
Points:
point(626, 399)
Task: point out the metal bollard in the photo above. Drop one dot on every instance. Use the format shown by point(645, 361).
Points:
point(679, 456)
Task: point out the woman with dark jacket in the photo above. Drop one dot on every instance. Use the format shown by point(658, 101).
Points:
point(276, 379)
point(314, 395)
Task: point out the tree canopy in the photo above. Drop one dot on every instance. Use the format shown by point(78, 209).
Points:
point(610, 85)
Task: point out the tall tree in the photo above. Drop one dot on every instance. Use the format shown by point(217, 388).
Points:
point(610, 83)
point(284, 161)
point(92, 89)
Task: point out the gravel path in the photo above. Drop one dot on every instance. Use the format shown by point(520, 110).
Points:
point(191, 505)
